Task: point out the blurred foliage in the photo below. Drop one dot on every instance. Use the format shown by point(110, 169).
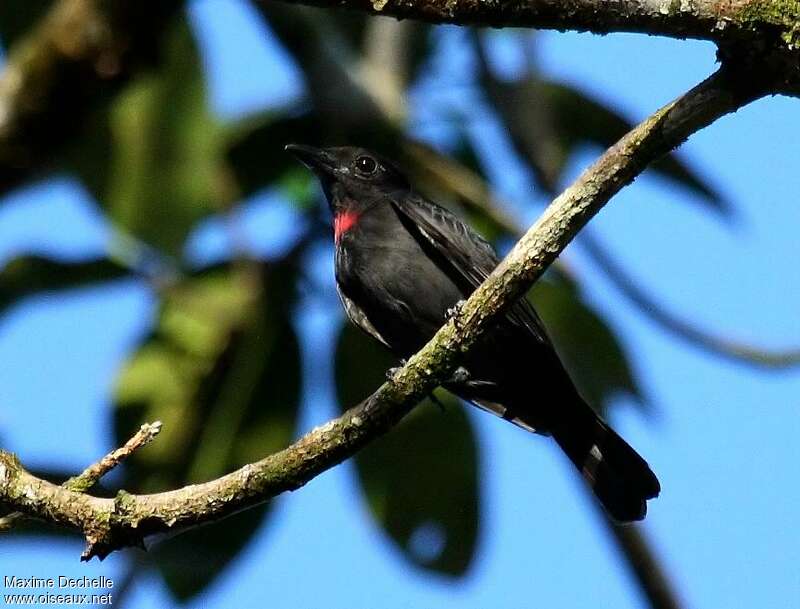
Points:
point(222, 371)
point(255, 160)
point(163, 170)
point(574, 119)
point(421, 479)
point(582, 336)
point(29, 275)
point(154, 159)
point(16, 18)
point(221, 365)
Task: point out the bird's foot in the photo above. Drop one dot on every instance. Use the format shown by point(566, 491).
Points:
point(460, 376)
point(391, 372)
point(455, 310)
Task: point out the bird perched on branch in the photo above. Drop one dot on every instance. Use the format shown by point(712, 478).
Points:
point(403, 262)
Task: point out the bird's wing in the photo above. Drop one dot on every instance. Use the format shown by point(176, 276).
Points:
point(358, 317)
point(463, 254)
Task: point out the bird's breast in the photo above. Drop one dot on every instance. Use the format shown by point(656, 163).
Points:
point(344, 221)
point(385, 272)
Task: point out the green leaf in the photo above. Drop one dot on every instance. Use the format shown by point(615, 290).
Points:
point(587, 345)
point(421, 479)
point(28, 275)
point(19, 16)
point(548, 121)
point(90, 157)
point(581, 118)
point(222, 371)
point(193, 560)
point(154, 160)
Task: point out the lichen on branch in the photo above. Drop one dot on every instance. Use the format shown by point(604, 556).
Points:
point(701, 19)
point(758, 32)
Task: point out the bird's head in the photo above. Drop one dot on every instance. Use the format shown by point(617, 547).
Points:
point(350, 175)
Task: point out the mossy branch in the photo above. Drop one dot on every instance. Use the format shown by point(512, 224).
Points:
point(92, 474)
point(110, 524)
point(720, 22)
point(759, 32)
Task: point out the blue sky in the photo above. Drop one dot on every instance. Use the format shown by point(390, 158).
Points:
point(722, 437)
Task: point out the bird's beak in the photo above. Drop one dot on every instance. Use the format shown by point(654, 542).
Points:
point(316, 159)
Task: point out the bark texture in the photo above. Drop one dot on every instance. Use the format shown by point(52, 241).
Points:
point(717, 20)
point(760, 32)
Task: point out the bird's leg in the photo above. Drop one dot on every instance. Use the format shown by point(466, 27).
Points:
point(460, 376)
point(454, 311)
point(394, 370)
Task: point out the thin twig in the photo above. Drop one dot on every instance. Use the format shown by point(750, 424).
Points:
point(645, 567)
point(92, 474)
point(730, 349)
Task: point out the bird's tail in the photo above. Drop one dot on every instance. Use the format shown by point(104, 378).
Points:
point(619, 477)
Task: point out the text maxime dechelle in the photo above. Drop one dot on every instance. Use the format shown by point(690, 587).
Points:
point(61, 590)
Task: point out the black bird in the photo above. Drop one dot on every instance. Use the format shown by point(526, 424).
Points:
point(403, 262)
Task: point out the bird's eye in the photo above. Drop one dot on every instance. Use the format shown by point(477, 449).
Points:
point(366, 165)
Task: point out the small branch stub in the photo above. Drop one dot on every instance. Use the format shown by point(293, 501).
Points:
point(90, 476)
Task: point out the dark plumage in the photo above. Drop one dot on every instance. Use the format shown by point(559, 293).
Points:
point(402, 262)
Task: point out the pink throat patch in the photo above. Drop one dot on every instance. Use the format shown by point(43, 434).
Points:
point(343, 222)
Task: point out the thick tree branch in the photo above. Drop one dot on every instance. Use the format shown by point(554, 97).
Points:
point(109, 524)
point(715, 20)
point(762, 32)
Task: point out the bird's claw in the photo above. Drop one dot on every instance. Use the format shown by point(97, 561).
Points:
point(460, 376)
point(391, 372)
point(455, 310)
